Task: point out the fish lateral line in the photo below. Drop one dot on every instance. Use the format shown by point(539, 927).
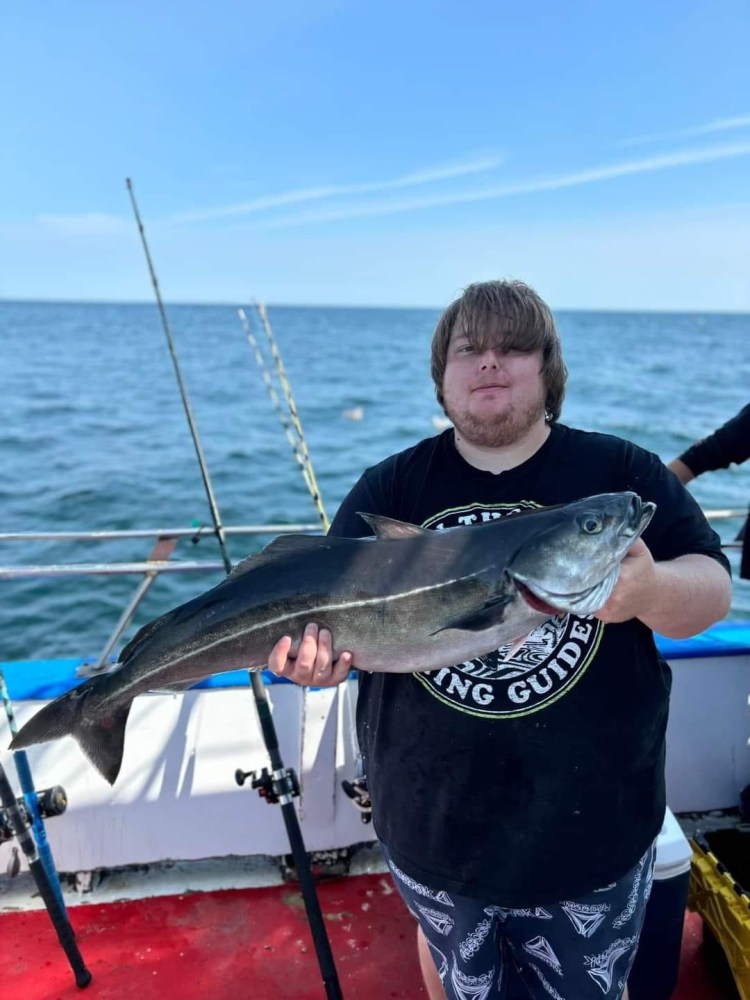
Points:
point(309, 615)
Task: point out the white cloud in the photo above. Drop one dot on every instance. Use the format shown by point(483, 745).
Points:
point(588, 176)
point(416, 178)
point(101, 224)
point(720, 125)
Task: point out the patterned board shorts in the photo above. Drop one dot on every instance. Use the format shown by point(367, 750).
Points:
point(579, 949)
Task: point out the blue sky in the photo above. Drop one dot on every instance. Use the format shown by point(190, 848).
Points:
point(354, 152)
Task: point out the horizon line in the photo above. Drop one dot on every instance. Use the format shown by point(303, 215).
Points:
point(213, 304)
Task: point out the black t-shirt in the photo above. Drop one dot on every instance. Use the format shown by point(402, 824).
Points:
point(539, 777)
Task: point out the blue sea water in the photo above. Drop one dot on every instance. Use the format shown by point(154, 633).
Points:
point(94, 436)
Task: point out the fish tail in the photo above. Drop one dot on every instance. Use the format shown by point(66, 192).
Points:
point(101, 737)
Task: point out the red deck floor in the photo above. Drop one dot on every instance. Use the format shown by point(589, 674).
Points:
point(249, 943)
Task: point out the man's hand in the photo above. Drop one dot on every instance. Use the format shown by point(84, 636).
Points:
point(314, 663)
point(678, 598)
point(634, 592)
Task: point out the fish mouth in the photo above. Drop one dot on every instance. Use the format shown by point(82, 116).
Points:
point(585, 602)
point(535, 602)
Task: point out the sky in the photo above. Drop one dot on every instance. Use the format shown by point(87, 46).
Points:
point(377, 153)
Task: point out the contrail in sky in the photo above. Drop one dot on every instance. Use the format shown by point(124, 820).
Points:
point(414, 179)
point(720, 125)
point(574, 179)
point(100, 224)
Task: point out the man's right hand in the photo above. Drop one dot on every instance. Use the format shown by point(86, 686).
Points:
point(314, 663)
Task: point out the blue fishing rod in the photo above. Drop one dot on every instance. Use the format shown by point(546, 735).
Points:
point(31, 799)
point(52, 901)
point(280, 786)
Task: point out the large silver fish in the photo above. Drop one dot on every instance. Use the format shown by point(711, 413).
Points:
point(409, 599)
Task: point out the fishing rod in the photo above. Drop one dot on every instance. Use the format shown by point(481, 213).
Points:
point(294, 414)
point(55, 909)
point(211, 497)
point(355, 790)
point(30, 797)
point(298, 446)
point(281, 785)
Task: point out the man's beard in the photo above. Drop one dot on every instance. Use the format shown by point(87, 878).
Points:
point(499, 429)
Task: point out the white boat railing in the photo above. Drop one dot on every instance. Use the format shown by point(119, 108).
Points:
point(158, 561)
point(203, 531)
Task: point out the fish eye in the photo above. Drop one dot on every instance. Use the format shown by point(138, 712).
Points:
point(591, 524)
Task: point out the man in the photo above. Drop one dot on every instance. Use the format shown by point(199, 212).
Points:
point(517, 799)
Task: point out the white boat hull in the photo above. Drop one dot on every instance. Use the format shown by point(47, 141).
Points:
point(176, 798)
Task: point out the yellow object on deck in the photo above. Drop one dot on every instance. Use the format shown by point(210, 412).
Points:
point(725, 907)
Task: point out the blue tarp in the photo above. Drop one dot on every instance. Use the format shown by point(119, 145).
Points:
point(44, 679)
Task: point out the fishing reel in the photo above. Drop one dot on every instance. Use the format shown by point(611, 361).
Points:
point(277, 786)
point(360, 797)
point(51, 802)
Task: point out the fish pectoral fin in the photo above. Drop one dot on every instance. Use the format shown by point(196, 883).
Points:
point(389, 527)
point(491, 613)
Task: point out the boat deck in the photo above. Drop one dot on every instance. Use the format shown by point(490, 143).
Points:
point(240, 943)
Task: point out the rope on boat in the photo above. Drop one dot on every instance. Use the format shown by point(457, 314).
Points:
point(298, 446)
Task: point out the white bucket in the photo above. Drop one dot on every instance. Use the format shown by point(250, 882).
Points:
point(673, 852)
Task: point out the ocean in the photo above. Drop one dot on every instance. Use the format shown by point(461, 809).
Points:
point(94, 436)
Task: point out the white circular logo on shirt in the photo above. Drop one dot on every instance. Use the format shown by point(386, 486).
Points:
point(548, 664)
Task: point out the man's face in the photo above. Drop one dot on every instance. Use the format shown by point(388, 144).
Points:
point(492, 396)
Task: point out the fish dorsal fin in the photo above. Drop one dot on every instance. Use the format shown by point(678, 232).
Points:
point(292, 544)
point(284, 545)
point(389, 527)
point(144, 632)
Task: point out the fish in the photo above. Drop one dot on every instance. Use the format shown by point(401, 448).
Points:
point(406, 599)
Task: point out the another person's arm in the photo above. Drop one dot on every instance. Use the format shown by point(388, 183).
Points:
point(683, 472)
point(730, 443)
